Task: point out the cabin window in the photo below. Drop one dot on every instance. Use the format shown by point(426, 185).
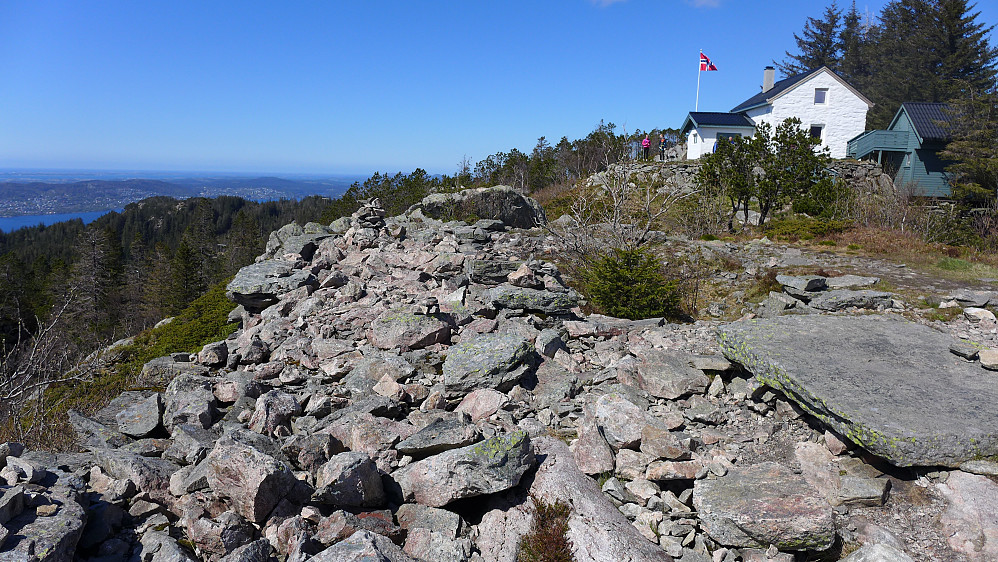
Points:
point(816, 131)
point(820, 96)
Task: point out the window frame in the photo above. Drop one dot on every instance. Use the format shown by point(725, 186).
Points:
point(824, 97)
point(821, 131)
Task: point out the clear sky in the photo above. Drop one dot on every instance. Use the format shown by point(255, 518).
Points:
point(354, 87)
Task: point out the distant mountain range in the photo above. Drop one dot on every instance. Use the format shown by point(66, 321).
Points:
point(18, 198)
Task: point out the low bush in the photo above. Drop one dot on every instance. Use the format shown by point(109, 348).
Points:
point(764, 283)
point(547, 540)
point(631, 284)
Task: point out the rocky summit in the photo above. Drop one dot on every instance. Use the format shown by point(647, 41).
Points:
point(414, 388)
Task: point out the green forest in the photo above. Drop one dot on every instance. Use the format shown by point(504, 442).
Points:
point(913, 50)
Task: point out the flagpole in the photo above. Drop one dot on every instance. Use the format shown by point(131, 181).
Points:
point(697, 106)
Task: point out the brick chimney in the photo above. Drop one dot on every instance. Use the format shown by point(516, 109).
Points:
point(768, 78)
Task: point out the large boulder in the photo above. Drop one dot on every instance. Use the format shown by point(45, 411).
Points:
point(533, 300)
point(189, 399)
point(762, 505)
point(487, 361)
point(150, 474)
point(252, 481)
point(889, 385)
point(407, 331)
point(842, 299)
point(142, 417)
point(261, 284)
point(501, 202)
point(669, 375)
point(350, 480)
point(274, 410)
point(441, 435)
point(51, 538)
point(971, 518)
point(488, 467)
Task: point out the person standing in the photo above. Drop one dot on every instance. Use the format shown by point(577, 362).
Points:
point(661, 147)
point(646, 145)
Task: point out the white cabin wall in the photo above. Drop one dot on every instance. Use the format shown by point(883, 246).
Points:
point(843, 114)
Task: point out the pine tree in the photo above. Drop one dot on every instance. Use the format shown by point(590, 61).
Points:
point(819, 46)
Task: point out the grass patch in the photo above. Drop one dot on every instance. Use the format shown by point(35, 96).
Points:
point(954, 264)
point(944, 314)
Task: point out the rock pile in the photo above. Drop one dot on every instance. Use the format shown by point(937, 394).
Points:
point(401, 387)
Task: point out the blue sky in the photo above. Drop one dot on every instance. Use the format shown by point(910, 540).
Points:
point(354, 87)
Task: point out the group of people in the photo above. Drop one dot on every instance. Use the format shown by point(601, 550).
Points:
point(646, 145)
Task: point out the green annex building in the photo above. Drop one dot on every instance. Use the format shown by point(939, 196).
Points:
point(909, 149)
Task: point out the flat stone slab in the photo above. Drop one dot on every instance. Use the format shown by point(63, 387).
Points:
point(889, 385)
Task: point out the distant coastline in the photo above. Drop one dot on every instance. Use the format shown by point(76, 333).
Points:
point(10, 224)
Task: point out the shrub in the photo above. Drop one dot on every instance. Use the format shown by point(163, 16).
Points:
point(631, 284)
point(764, 283)
point(546, 541)
point(806, 228)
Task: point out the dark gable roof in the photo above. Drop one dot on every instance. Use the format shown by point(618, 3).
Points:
point(720, 119)
point(778, 88)
point(928, 118)
point(716, 119)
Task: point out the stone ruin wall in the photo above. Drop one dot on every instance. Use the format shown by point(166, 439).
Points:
point(863, 176)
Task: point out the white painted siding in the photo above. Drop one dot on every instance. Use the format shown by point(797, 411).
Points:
point(843, 114)
point(706, 137)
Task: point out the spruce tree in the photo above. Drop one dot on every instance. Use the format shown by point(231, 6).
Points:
point(855, 64)
point(819, 44)
point(966, 59)
point(974, 148)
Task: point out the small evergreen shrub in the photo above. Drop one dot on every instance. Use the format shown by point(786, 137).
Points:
point(631, 284)
point(547, 540)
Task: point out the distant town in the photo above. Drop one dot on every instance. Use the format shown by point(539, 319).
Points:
point(25, 197)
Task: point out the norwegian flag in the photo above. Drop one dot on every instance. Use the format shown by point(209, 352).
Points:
point(705, 63)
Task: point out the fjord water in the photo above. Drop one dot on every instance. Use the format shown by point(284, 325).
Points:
point(10, 224)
